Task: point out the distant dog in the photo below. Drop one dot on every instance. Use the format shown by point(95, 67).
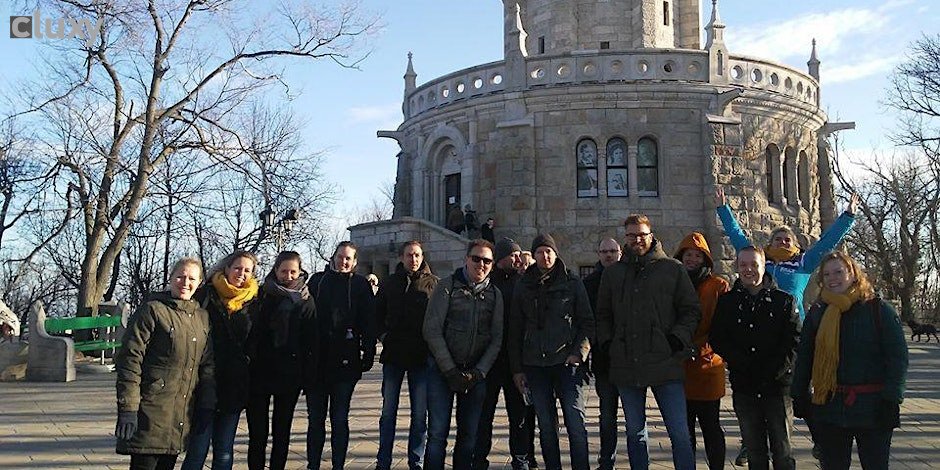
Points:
point(926, 329)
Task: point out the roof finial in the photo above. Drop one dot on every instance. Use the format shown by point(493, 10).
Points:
point(715, 28)
point(716, 18)
point(410, 76)
point(813, 62)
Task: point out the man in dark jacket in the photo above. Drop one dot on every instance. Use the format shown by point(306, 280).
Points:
point(608, 253)
point(756, 329)
point(463, 327)
point(549, 339)
point(647, 310)
point(521, 416)
point(400, 305)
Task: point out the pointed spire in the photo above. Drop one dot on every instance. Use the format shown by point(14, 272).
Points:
point(813, 62)
point(410, 76)
point(715, 28)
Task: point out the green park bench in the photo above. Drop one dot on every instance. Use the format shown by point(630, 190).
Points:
point(106, 325)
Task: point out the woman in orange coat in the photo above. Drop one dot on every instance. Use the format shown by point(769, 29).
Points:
point(704, 373)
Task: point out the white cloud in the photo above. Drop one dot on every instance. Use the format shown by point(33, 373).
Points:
point(377, 114)
point(858, 70)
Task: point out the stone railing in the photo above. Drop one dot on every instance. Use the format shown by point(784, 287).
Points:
point(605, 67)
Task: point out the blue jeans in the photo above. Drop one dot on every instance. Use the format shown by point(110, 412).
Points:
point(335, 397)
point(392, 378)
point(440, 406)
point(670, 397)
point(609, 409)
point(216, 427)
point(567, 384)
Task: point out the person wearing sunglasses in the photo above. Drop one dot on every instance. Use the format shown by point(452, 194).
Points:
point(549, 339)
point(463, 327)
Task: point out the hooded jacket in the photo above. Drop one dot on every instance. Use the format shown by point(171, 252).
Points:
point(166, 353)
point(400, 304)
point(347, 324)
point(641, 299)
point(757, 335)
point(704, 373)
point(551, 319)
point(792, 275)
point(464, 326)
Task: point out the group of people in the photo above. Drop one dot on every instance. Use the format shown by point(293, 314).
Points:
point(195, 357)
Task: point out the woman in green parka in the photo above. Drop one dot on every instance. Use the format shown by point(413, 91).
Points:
point(851, 368)
point(165, 353)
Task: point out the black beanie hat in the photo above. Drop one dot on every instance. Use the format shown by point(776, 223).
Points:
point(505, 247)
point(544, 239)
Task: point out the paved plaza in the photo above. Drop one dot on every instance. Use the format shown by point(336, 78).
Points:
point(70, 425)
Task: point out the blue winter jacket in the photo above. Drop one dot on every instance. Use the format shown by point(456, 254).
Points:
point(791, 275)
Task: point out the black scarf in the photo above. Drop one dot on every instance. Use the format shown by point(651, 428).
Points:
point(699, 275)
point(289, 298)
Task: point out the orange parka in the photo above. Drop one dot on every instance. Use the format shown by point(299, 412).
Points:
point(704, 374)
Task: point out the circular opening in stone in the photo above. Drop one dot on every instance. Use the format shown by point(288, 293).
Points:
point(563, 71)
point(616, 66)
point(669, 66)
point(757, 75)
point(737, 72)
point(445, 92)
point(694, 68)
point(590, 70)
point(788, 83)
point(643, 66)
point(774, 79)
point(477, 83)
point(496, 79)
point(799, 87)
point(461, 87)
point(538, 73)
point(431, 97)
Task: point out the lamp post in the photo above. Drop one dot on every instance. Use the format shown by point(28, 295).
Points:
point(281, 228)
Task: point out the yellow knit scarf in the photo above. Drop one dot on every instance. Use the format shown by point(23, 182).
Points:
point(779, 254)
point(233, 297)
point(826, 358)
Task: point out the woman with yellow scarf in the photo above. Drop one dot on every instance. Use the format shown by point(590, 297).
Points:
point(229, 296)
point(851, 368)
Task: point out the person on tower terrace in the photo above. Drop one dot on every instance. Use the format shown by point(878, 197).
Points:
point(789, 264)
point(346, 323)
point(647, 312)
point(486, 231)
point(755, 329)
point(608, 253)
point(463, 327)
point(550, 328)
point(705, 372)
point(521, 415)
point(400, 307)
point(854, 358)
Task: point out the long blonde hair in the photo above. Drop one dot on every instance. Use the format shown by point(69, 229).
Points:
point(861, 279)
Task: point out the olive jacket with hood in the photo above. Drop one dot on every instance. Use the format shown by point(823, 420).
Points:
point(705, 372)
point(166, 353)
point(641, 300)
point(400, 305)
point(464, 324)
point(551, 319)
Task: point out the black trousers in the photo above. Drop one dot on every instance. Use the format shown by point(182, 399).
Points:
point(835, 442)
point(712, 435)
point(280, 422)
point(153, 461)
point(521, 419)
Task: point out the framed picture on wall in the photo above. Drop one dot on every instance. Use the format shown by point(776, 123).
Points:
point(617, 182)
point(587, 182)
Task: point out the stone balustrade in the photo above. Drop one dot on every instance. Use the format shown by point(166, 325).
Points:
point(588, 67)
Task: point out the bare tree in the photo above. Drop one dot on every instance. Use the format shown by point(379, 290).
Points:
point(156, 85)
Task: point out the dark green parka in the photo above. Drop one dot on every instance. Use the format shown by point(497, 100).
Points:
point(166, 352)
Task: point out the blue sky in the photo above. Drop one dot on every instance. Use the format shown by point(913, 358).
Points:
point(859, 41)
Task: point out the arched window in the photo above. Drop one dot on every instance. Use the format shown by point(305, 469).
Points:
point(805, 185)
point(647, 167)
point(617, 182)
point(790, 189)
point(586, 158)
point(772, 173)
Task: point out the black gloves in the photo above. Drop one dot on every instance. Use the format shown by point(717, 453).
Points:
point(368, 359)
point(802, 406)
point(476, 376)
point(456, 380)
point(888, 414)
point(126, 425)
point(675, 343)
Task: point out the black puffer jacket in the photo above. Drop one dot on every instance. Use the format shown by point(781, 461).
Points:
point(282, 362)
point(757, 336)
point(399, 306)
point(230, 344)
point(551, 319)
point(505, 280)
point(347, 323)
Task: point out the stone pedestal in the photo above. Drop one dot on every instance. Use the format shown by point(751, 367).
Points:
point(51, 358)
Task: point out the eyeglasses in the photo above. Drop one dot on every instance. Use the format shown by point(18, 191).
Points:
point(608, 252)
point(480, 259)
point(638, 235)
